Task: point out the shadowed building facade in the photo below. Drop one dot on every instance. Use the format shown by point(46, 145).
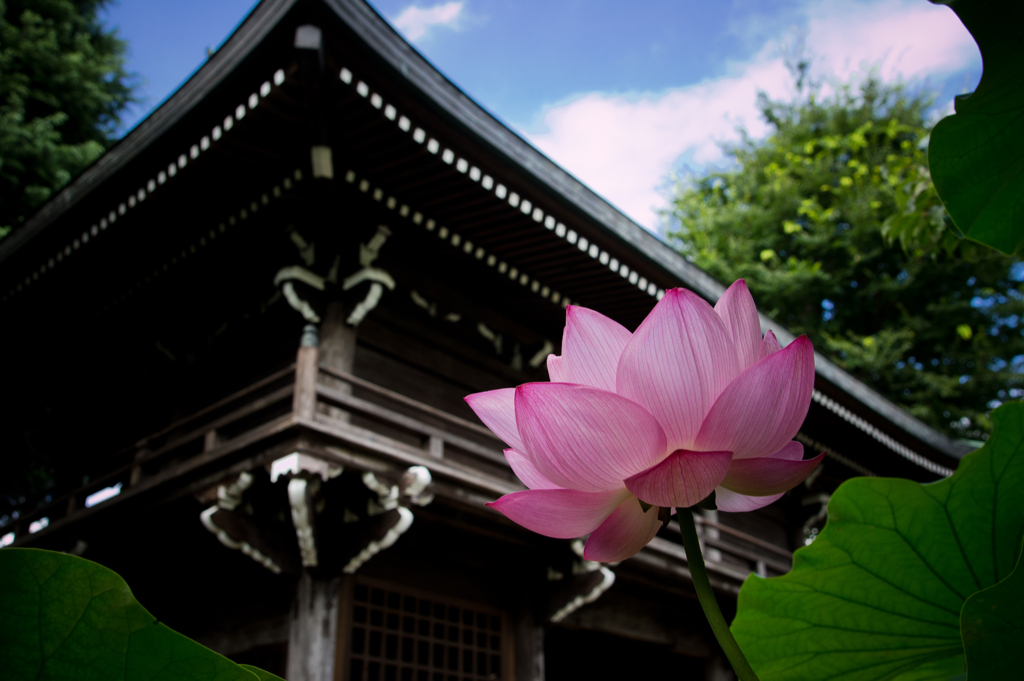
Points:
point(242, 338)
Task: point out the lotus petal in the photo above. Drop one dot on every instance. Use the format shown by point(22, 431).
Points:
point(526, 471)
point(682, 479)
point(584, 438)
point(497, 410)
point(766, 476)
point(769, 345)
point(677, 363)
point(556, 370)
point(591, 346)
point(791, 451)
point(731, 502)
point(559, 513)
point(764, 407)
point(736, 308)
point(627, 530)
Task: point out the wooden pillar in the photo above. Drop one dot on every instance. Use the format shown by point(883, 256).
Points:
point(337, 339)
point(306, 360)
point(528, 638)
point(313, 630)
point(338, 351)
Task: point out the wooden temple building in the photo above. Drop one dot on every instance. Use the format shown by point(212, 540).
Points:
point(243, 338)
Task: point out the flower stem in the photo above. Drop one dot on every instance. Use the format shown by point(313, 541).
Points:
point(706, 596)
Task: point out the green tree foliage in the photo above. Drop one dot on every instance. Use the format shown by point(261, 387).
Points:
point(62, 89)
point(835, 225)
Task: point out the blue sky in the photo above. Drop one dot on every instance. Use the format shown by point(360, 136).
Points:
point(621, 98)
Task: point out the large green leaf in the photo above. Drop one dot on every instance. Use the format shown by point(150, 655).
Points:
point(260, 674)
point(878, 595)
point(976, 156)
point(992, 624)
point(64, 617)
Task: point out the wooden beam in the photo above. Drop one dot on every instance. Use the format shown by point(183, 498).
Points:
point(313, 629)
point(414, 425)
point(304, 399)
point(337, 352)
point(528, 642)
point(371, 442)
point(265, 431)
point(402, 399)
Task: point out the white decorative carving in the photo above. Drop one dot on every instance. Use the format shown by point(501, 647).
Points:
point(380, 278)
point(414, 482)
point(299, 489)
point(299, 304)
point(299, 274)
point(206, 517)
point(375, 547)
point(387, 497)
point(366, 305)
point(582, 567)
point(296, 462)
point(229, 496)
point(373, 274)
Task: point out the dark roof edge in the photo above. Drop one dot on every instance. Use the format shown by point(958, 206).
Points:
point(390, 46)
point(406, 60)
point(236, 48)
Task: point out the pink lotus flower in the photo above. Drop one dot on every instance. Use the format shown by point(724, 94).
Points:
point(694, 401)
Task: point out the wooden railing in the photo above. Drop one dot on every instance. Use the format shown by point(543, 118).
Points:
point(332, 412)
point(169, 452)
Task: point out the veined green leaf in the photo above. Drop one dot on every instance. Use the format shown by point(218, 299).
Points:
point(64, 617)
point(878, 595)
point(260, 674)
point(992, 625)
point(976, 156)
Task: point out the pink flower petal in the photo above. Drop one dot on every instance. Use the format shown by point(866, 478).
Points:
point(556, 370)
point(496, 408)
point(591, 346)
point(682, 479)
point(764, 407)
point(769, 345)
point(766, 476)
point(677, 364)
point(584, 438)
point(560, 513)
point(736, 308)
point(791, 451)
point(627, 530)
point(527, 472)
point(734, 502)
point(731, 502)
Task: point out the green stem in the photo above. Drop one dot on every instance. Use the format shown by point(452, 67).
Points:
point(706, 596)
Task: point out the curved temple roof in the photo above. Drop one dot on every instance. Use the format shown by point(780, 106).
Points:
point(475, 129)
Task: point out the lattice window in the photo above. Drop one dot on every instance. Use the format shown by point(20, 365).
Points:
point(397, 634)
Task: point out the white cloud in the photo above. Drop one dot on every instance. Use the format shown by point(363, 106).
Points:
point(416, 22)
point(909, 38)
point(624, 147)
